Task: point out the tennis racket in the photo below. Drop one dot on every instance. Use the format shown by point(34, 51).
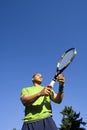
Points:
point(64, 61)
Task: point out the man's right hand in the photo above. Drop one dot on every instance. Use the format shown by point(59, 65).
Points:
point(45, 91)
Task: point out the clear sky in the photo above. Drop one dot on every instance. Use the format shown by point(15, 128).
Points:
point(33, 35)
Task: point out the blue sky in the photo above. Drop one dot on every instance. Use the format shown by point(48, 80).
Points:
point(33, 35)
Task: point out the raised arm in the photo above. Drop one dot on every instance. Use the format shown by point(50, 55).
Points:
point(58, 97)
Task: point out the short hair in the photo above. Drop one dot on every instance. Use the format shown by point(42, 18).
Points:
point(34, 75)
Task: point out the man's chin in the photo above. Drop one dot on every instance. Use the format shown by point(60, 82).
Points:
point(39, 82)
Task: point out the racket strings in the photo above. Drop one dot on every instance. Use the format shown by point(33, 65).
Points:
point(65, 59)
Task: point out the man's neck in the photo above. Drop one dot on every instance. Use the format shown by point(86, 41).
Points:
point(37, 85)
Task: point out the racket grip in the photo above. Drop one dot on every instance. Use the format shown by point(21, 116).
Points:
point(52, 83)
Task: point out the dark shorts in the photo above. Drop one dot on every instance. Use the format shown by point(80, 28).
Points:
point(44, 124)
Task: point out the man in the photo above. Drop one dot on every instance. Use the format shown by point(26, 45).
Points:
point(37, 102)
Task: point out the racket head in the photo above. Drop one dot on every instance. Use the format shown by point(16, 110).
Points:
point(66, 59)
point(63, 63)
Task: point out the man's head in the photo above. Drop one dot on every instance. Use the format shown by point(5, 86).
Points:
point(37, 78)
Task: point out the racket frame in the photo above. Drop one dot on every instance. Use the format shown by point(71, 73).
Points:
point(58, 71)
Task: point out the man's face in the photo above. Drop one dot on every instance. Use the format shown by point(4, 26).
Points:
point(37, 78)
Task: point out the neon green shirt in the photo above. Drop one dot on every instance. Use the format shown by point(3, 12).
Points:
point(40, 109)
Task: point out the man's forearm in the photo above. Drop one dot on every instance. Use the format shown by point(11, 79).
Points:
point(27, 100)
point(59, 97)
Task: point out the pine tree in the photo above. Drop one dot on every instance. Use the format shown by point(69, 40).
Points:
point(14, 129)
point(71, 120)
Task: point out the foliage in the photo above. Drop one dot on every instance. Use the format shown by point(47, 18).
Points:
point(71, 120)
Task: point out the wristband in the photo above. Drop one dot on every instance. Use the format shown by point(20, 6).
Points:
point(61, 88)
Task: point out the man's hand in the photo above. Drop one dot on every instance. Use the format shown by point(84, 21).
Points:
point(46, 91)
point(61, 79)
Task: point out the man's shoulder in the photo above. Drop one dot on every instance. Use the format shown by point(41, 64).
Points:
point(26, 88)
point(32, 89)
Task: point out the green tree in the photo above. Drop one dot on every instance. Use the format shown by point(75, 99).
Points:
point(71, 120)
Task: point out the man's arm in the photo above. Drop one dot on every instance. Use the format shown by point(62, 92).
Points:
point(28, 100)
point(57, 98)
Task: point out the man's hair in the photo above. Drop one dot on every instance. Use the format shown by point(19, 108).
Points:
point(34, 75)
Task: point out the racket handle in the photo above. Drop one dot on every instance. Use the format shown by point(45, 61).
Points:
point(52, 83)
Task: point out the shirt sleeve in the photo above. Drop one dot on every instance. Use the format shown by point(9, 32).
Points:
point(24, 91)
